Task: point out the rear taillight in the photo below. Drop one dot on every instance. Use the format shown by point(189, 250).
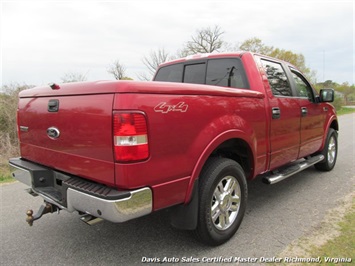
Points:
point(130, 137)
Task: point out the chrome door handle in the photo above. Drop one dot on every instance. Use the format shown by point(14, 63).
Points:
point(276, 113)
point(304, 111)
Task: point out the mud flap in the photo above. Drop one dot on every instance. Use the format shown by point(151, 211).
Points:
point(184, 217)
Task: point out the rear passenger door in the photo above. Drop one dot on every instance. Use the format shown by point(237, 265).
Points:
point(285, 115)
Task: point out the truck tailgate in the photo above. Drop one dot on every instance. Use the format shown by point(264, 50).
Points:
point(70, 133)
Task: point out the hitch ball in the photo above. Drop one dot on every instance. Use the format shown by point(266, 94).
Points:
point(29, 218)
point(47, 208)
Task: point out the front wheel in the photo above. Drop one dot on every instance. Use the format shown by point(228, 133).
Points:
point(330, 152)
point(222, 200)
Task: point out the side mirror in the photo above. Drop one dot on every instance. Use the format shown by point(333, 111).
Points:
point(326, 95)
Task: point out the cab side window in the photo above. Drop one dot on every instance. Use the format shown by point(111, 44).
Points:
point(303, 89)
point(172, 73)
point(277, 78)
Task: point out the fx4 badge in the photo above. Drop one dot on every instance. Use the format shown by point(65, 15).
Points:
point(166, 108)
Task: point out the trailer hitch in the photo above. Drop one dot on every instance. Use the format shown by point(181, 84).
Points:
point(46, 208)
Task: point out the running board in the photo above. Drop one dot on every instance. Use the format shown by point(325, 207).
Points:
point(294, 169)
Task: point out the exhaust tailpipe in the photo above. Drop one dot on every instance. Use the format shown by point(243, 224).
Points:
point(90, 220)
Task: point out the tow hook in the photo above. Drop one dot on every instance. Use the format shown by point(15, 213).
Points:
point(46, 208)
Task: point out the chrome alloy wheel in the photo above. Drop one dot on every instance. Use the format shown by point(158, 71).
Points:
point(331, 150)
point(225, 203)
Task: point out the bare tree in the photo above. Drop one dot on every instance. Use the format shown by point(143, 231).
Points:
point(73, 77)
point(206, 40)
point(154, 59)
point(117, 70)
point(143, 76)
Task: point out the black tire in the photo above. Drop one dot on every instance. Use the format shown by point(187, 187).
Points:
point(330, 152)
point(229, 206)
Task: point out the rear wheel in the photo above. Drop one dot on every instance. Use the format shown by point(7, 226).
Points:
point(222, 200)
point(330, 152)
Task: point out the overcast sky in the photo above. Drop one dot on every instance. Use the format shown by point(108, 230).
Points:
point(43, 40)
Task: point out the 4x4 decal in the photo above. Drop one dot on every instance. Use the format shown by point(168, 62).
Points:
point(166, 108)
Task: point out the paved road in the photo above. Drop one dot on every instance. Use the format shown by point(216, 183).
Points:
point(276, 215)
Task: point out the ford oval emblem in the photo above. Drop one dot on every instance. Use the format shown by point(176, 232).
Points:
point(53, 132)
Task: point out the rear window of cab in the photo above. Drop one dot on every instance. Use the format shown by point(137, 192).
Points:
point(224, 72)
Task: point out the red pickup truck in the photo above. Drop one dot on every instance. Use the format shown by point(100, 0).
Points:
point(189, 140)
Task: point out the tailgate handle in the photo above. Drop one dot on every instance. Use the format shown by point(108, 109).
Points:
point(53, 105)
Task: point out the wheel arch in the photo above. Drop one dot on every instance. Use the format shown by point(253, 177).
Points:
point(233, 144)
point(333, 123)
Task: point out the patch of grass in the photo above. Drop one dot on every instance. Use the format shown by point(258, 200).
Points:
point(341, 246)
point(4, 178)
point(345, 110)
point(332, 241)
point(5, 175)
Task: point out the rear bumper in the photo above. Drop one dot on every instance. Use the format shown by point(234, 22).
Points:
point(76, 194)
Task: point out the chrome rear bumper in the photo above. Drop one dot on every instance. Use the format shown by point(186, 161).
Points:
point(56, 188)
point(117, 211)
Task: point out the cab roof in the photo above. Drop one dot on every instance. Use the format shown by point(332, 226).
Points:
point(204, 56)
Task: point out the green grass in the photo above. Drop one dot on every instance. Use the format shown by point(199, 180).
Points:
point(5, 175)
point(4, 178)
point(345, 110)
point(333, 240)
point(341, 246)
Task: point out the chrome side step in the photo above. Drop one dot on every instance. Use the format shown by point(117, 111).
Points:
point(291, 170)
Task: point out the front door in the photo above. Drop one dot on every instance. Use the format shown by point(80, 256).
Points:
point(312, 115)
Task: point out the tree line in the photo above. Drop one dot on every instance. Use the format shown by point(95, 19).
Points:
point(209, 40)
